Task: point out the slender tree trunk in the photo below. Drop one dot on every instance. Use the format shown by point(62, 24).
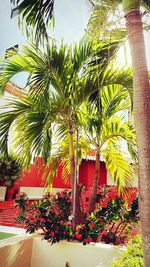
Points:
point(92, 201)
point(142, 120)
point(75, 193)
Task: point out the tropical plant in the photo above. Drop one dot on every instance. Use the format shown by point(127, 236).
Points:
point(142, 94)
point(134, 27)
point(58, 80)
point(9, 171)
point(52, 215)
point(132, 256)
point(108, 132)
point(35, 16)
point(141, 113)
point(107, 21)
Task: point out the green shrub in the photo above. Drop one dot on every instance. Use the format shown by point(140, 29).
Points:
point(53, 215)
point(132, 256)
point(9, 171)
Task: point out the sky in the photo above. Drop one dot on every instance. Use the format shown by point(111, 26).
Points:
point(71, 18)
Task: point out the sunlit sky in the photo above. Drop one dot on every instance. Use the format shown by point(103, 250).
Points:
point(71, 18)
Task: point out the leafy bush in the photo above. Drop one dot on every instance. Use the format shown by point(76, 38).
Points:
point(21, 202)
point(132, 256)
point(52, 214)
point(116, 215)
point(9, 172)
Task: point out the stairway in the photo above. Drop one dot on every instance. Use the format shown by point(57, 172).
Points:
point(8, 214)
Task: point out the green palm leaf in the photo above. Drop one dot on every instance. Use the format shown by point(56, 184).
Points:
point(36, 15)
point(8, 114)
point(119, 168)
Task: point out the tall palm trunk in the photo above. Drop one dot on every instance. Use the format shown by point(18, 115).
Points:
point(93, 196)
point(141, 114)
point(77, 215)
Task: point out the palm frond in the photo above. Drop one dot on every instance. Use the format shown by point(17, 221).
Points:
point(114, 98)
point(115, 131)
point(101, 26)
point(119, 168)
point(9, 113)
point(36, 16)
point(107, 19)
point(33, 136)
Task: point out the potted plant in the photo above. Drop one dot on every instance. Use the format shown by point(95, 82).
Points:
point(9, 174)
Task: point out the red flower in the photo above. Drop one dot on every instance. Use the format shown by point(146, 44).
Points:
point(92, 225)
point(52, 234)
point(112, 194)
point(78, 236)
point(42, 220)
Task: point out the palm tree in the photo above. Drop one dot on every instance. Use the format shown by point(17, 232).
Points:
point(60, 77)
point(141, 108)
point(106, 131)
point(141, 96)
point(141, 113)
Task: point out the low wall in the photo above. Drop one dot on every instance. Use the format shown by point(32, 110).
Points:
point(33, 252)
point(16, 252)
point(75, 254)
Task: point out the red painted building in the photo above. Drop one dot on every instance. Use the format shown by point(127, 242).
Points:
point(34, 176)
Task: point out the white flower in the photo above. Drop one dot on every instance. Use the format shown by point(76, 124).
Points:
point(70, 217)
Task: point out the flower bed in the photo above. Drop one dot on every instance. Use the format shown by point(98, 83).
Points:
point(111, 222)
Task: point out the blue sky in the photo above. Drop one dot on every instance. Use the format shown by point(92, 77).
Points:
point(71, 17)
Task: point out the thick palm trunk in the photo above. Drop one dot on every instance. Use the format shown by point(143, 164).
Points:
point(142, 120)
point(77, 215)
point(93, 196)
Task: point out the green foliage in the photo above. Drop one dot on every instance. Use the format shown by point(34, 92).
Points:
point(36, 16)
point(60, 81)
point(133, 255)
point(107, 130)
point(9, 172)
point(116, 215)
point(57, 79)
point(107, 18)
point(53, 215)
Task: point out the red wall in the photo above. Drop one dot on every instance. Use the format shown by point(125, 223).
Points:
point(86, 173)
point(33, 177)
